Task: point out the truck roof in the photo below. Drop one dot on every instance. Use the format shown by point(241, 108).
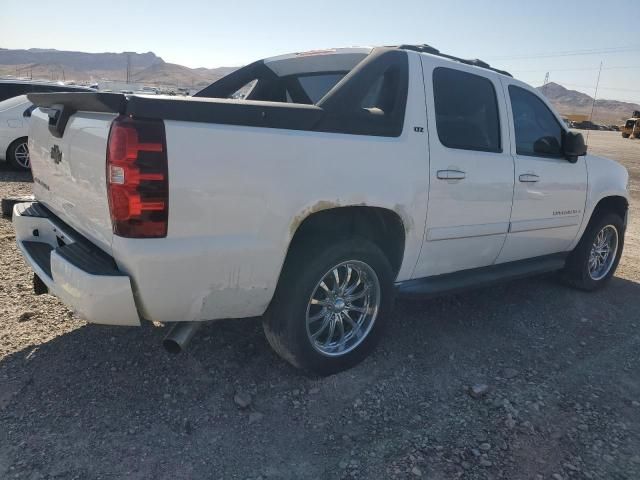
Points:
point(332, 59)
point(346, 58)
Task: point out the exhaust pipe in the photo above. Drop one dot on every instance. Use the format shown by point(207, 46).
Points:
point(179, 336)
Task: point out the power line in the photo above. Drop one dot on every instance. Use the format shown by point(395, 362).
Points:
point(622, 67)
point(568, 53)
point(595, 95)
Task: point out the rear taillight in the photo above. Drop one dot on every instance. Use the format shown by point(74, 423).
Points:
point(137, 178)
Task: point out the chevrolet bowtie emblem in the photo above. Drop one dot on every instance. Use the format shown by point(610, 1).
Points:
point(56, 154)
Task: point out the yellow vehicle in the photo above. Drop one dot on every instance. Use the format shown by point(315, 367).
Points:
point(631, 127)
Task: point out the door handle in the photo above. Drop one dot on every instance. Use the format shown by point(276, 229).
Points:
point(451, 175)
point(529, 178)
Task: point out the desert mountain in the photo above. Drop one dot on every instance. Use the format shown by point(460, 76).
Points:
point(569, 102)
point(147, 67)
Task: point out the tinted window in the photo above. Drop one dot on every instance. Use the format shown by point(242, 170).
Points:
point(382, 95)
point(317, 86)
point(10, 90)
point(372, 100)
point(466, 110)
point(537, 130)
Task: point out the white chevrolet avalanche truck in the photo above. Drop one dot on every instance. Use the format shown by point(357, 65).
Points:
point(343, 177)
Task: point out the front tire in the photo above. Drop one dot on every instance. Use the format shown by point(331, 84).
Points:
point(594, 260)
point(331, 305)
point(18, 155)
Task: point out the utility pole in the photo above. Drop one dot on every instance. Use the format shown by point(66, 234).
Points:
point(595, 95)
point(128, 67)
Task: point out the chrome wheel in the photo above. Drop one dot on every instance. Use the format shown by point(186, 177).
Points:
point(21, 155)
point(343, 308)
point(603, 252)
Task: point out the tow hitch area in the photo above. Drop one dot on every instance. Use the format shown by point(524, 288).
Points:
point(179, 336)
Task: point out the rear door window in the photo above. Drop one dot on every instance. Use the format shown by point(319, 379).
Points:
point(466, 109)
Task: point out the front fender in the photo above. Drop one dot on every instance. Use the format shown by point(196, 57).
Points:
point(606, 178)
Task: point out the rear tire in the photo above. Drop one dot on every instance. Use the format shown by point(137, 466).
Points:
point(18, 155)
point(326, 329)
point(592, 263)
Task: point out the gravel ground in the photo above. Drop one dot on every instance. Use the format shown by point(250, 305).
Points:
point(560, 366)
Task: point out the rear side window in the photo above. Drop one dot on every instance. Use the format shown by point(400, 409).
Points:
point(466, 110)
point(537, 130)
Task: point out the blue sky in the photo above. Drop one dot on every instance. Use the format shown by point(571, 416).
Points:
point(508, 34)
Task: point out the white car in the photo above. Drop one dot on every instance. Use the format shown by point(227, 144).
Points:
point(345, 176)
point(15, 112)
point(14, 128)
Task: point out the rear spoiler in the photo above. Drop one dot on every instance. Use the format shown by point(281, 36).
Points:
point(60, 106)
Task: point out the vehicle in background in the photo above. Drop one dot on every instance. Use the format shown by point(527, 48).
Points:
point(343, 177)
point(15, 113)
point(586, 125)
point(150, 90)
point(14, 127)
point(631, 127)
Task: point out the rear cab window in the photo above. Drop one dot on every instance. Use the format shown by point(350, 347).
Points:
point(371, 99)
point(466, 108)
point(317, 86)
point(303, 89)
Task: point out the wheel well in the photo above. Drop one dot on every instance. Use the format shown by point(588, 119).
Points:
point(615, 204)
point(382, 226)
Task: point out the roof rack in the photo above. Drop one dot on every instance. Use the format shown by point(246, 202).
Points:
point(424, 48)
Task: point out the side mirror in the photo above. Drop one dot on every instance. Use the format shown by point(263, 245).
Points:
point(547, 146)
point(573, 146)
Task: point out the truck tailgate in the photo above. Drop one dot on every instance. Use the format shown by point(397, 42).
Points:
point(69, 172)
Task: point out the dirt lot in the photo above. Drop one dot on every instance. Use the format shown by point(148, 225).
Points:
point(84, 401)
